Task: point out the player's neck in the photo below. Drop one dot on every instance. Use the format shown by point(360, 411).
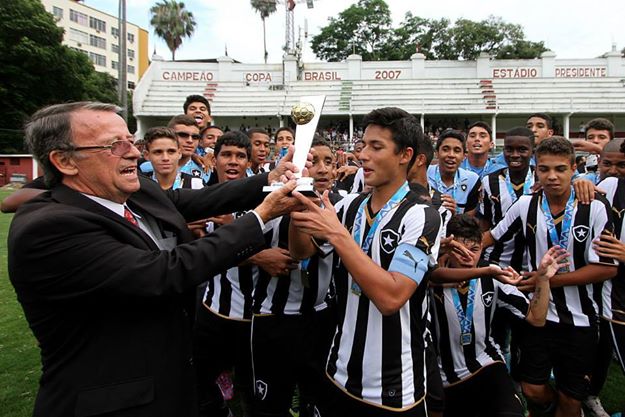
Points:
point(419, 176)
point(381, 194)
point(518, 176)
point(557, 202)
point(183, 161)
point(477, 160)
point(166, 181)
point(448, 177)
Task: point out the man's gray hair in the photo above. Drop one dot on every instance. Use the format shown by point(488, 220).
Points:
point(50, 129)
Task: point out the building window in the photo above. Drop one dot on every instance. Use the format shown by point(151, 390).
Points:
point(80, 18)
point(114, 65)
point(131, 53)
point(114, 48)
point(114, 31)
point(97, 41)
point(57, 12)
point(97, 24)
point(80, 50)
point(131, 85)
point(14, 161)
point(131, 38)
point(79, 36)
point(131, 69)
point(97, 59)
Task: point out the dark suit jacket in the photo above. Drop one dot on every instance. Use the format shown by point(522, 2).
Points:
point(106, 305)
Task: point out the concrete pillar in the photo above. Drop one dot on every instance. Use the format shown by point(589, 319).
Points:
point(225, 68)
point(493, 126)
point(422, 121)
point(354, 64)
point(351, 127)
point(566, 125)
point(482, 69)
point(418, 65)
point(141, 127)
point(549, 64)
point(290, 69)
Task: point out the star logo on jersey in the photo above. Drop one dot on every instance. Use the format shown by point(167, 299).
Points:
point(389, 239)
point(487, 298)
point(196, 172)
point(261, 389)
point(463, 187)
point(581, 232)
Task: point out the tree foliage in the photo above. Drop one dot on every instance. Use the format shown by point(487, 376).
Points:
point(37, 70)
point(172, 22)
point(365, 28)
point(264, 8)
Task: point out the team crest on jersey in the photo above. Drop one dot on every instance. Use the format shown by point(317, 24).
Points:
point(261, 389)
point(389, 239)
point(463, 187)
point(581, 233)
point(487, 298)
point(196, 172)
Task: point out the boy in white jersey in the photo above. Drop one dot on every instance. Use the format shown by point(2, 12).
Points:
point(376, 362)
point(471, 364)
point(554, 217)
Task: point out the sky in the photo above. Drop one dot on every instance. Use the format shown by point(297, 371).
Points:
point(571, 28)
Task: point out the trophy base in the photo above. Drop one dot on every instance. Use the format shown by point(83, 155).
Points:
point(304, 187)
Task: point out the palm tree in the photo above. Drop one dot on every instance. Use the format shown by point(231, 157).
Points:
point(265, 8)
point(172, 22)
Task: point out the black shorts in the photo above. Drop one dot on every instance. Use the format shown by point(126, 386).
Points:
point(289, 351)
point(434, 398)
point(337, 403)
point(568, 350)
point(487, 393)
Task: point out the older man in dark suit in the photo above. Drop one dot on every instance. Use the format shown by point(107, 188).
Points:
point(101, 262)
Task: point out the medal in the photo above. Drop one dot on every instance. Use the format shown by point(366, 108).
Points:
point(563, 239)
point(465, 339)
point(465, 317)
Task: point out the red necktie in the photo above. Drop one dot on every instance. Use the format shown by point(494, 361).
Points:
point(130, 217)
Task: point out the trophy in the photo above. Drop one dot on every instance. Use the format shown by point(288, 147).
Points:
point(306, 115)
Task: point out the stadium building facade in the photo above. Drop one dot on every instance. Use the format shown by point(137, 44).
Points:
point(440, 93)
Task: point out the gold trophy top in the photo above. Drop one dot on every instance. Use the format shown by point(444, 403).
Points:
point(302, 113)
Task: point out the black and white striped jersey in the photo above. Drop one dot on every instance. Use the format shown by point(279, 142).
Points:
point(613, 292)
point(573, 305)
point(496, 200)
point(457, 361)
point(359, 182)
point(229, 294)
point(306, 289)
point(380, 359)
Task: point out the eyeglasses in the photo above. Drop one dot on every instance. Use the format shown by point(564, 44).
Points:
point(117, 148)
point(185, 135)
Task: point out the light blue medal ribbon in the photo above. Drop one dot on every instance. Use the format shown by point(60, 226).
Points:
point(527, 185)
point(465, 317)
point(365, 243)
point(563, 239)
point(441, 187)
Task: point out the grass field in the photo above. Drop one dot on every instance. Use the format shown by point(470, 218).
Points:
point(19, 356)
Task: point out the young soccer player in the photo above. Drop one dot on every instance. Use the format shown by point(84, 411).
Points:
point(293, 321)
point(386, 241)
point(479, 143)
point(471, 364)
point(163, 152)
point(448, 178)
point(568, 342)
point(501, 189)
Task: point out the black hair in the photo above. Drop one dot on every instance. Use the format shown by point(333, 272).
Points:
point(282, 129)
point(464, 226)
point(548, 119)
point(423, 195)
point(601, 124)
point(425, 147)
point(484, 126)
point(405, 128)
point(521, 131)
point(451, 133)
point(556, 145)
point(196, 98)
point(234, 138)
point(254, 130)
